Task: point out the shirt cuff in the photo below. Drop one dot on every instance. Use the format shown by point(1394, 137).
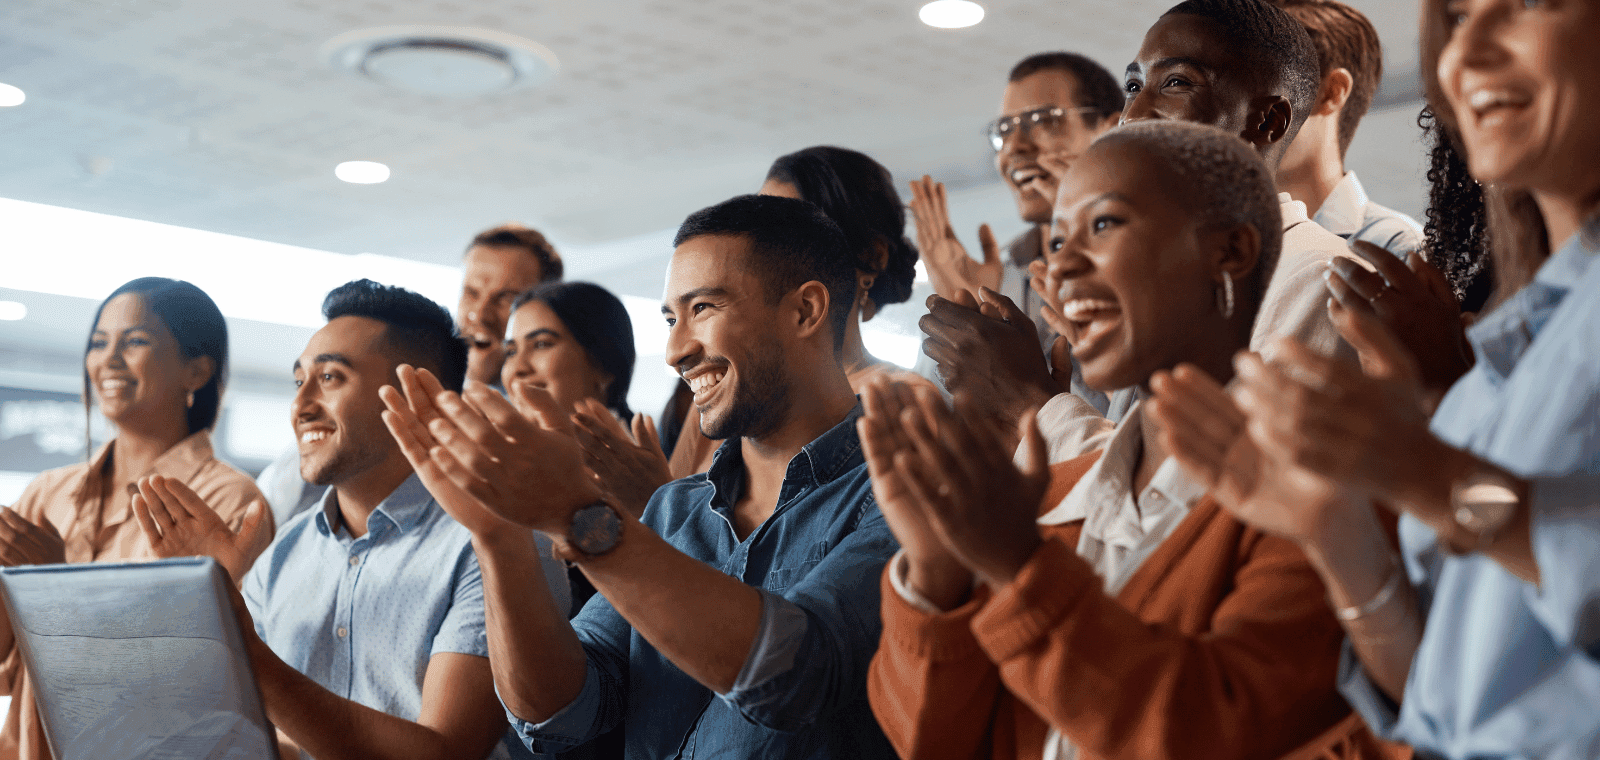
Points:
point(897, 580)
point(569, 728)
point(772, 653)
point(1364, 696)
point(1565, 539)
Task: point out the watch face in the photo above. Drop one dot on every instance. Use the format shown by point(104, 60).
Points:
point(1484, 506)
point(596, 529)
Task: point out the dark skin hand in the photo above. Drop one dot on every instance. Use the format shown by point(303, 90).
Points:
point(1415, 302)
point(988, 350)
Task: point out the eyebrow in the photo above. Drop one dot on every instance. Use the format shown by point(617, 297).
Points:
point(324, 358)
point(693, 294)
point(538, 332)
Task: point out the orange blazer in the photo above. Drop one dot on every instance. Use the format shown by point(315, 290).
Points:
point(1221, 645)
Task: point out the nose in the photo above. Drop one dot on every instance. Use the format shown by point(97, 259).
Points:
point(1138, 108)
point(301, 407)
point(682, 346)
point(1475, 44)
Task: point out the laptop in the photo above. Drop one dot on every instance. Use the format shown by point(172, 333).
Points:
point(137, 660)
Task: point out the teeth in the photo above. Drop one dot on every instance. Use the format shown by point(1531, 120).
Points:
point(113, 385)
point(1483, 100)
point(1084, 309)
point(1023, 176)
point(705, 381)
point(312, 436)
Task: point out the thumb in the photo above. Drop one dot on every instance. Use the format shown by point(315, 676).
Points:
point(1433, 279)
point(255, 532)
point(986, 242)
point(539, 406)
point(1382, 354)
point(1061, 361)
point(1035, 460)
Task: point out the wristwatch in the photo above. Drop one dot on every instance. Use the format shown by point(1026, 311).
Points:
point(1482, 504)
point(596, 528)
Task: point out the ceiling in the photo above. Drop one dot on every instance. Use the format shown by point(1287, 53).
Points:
point(219, 115)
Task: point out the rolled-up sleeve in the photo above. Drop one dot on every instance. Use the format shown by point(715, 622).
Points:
point(829, 621)
point(1564, 532)
point(599, 706)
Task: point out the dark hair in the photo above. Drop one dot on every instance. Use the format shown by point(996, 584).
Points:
point(1519, 242)
point(792, 242)
point(1097, 88)
point(530, 240)
point(416, 328)
point(1272, 43)
point(599, 322)
point(1344, 39)
point(1224, 181)
point(1456, 237)
point(857, 193)
point(199, 329)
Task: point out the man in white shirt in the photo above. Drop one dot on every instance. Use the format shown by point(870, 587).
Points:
point(1351, 61)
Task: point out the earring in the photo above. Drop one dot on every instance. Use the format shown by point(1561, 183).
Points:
point(191, 399)
point(1225, 297)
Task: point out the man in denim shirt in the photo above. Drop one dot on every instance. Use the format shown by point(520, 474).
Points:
point(739, 617)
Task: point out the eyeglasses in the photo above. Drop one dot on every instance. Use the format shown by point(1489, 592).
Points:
point(1049, 117)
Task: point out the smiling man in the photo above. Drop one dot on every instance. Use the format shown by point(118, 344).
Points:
point(369, 637)
point(499, 263)
point(738, 617)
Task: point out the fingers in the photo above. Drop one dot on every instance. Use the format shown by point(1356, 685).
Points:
point(966, 299)
point(254, 532)
point(414, 439)
point(1389, 266)
point(1366, 285)
point(644, 432)
point(538, 405)
point(1036, 456)
point(159, 510)
point(420, 387)
point(184, 498)
point(141, 510)
point(1382, 354)
point(1433, 280)
point(1006, 307)
point(990, 247)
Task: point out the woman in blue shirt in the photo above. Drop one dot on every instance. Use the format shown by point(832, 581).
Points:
point(1480, 636)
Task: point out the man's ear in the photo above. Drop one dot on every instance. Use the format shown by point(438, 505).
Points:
point(810, 304)
point(1268, 121)
point(1336, 87)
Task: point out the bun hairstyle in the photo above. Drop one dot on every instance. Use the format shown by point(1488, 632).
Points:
point(858, 194)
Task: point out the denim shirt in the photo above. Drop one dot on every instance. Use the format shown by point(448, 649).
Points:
point(802, 691)
point(1508, 669)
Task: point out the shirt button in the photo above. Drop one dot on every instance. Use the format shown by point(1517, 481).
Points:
point(343, 631)
point(354, 560)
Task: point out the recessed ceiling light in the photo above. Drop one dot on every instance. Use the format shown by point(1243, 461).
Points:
point(11, 311)
point(451, 61)
point(951, 14)
point(361, 172)
point(11, 95)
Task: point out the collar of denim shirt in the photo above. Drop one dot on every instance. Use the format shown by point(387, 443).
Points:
point(827, 457)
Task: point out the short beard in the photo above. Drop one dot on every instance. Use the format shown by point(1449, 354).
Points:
point(341, 466)
point(760, 404)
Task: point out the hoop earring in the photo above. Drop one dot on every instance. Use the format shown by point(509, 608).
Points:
point(1225, 297)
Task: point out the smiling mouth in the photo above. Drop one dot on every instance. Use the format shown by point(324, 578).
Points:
point(1091, 318)
point(702, 384)
point(313, 436)
point(1021, 177)
point(115, 386)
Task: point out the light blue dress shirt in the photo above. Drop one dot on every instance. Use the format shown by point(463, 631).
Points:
point(362, 616)
point(1350, 214)
point(802, 693)
point(1507, 669)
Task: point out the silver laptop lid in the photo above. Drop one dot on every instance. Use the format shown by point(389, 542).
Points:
point(137, 660)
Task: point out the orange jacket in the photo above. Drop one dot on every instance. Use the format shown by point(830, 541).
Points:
point(1221, 645)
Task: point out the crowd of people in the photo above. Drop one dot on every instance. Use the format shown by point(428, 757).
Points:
point(1218, 459)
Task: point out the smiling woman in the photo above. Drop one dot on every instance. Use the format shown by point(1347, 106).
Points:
point(155, 363)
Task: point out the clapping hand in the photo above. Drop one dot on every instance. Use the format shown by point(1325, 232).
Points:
point(24, 543)
point(629, 466)
point(989, 351)
point(949, 267)
point(178, 523)
point(1414, 301)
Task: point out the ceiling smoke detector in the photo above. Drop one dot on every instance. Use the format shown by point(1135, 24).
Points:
point(450, 61)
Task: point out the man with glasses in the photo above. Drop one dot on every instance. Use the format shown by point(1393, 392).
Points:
point(1054, 105)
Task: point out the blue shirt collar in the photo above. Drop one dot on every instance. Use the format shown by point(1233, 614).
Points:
point(403, 508)
point(832, 454)
point(1501, 337)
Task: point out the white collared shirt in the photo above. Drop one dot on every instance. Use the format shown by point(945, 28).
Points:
point(1350, 214)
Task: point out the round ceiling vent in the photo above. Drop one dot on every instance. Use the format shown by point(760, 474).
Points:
point(451, 61)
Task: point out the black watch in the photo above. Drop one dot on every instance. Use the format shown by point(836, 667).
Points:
point(596, 529)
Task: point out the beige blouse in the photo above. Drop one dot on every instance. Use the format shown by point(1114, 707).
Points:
point(69, 497)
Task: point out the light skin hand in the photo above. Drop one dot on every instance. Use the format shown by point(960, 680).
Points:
point(949, 267)
point(1415, 302)
point(981, 505)
point(629, 466)
point(24, 543)
point(931, 569)
point(178, 523)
